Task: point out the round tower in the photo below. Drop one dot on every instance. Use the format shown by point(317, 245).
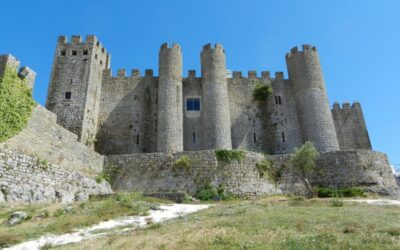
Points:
point(169, 116)
point(215, 106)
point(312, 103)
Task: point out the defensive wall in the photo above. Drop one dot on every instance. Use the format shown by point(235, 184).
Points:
point(159, 172)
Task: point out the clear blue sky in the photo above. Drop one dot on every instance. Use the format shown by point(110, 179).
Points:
point(358, 42)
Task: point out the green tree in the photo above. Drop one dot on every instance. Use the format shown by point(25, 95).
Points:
point(303, 160)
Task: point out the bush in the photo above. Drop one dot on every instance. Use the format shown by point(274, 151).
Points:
point(211, 192)
point(102, 176)
point(230, 155)
point(340, 192)
point(16, 104)
point(262, 92)
point(337, 202)
point(266, 168)
point(183, 163)
point(58, 212)
point(304, 158)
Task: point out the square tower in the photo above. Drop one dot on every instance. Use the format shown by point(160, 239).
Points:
point(75, 85)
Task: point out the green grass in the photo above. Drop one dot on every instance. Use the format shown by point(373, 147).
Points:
point(53, 219)
point(16, 104)
point(226, 155)
point(267, 223)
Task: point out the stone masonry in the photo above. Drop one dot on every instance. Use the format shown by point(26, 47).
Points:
point(137, 128)
point(141, 114)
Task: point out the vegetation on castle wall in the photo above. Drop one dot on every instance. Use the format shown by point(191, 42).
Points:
point(267, 168)
point(340, 192)
point(262, 92)
point(211, 192)
point(303, 160)
point(226, 155)
point(183, 164)
point(16, 104)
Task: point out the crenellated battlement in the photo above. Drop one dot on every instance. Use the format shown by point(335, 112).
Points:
point(23, 72)
point(279, 75)
point(209, 48)
point(305, 48)
point(174, 46)
point(123, 73)
point(346, 106)
point(252, 74)
point(91, 41)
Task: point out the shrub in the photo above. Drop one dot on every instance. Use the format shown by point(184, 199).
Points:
point(16, 104)
point(340, 192)
point(337, 202)
point(211, 192)
point(230, 155)
point(183, 163)
point(58, 212)
point(262, 92)
point(102, 176)
point(266, 168)
point(304, 158)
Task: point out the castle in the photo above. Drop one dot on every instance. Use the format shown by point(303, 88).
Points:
point(159, 134)
point(171, 113)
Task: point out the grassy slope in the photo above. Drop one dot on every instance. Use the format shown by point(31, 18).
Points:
point(269, 223)
point(52, 218)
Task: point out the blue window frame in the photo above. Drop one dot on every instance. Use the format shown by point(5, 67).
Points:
point(193, 104)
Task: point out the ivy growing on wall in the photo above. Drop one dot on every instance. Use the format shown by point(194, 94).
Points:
point(262, 92)
point(16, 104)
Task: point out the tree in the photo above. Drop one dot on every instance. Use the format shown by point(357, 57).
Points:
point(303, 160)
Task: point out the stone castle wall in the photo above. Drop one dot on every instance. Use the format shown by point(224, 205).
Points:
point(350, 126)
point(45, 139)
point(157, 172)
point(124, 115)
point(128, 113)
point(24, 178)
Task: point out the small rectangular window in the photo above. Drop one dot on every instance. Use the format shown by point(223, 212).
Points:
point(85, 52)
point(254, 137)
point(95, 56)
point(283, 137)
point(101, 62)
point(137, 139)
point(63, 52)
point(193, 104)
point(68, 95)
point(194, 137)
point(278, 100)
point(74, 52)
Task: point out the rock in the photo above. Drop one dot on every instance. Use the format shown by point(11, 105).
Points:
point(2, 198)
point(68, 209)
point(17, 217)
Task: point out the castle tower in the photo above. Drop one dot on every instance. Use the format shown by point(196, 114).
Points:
point(75, 85)
point(169, 116)
point(215, 106)
point(311, 99)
